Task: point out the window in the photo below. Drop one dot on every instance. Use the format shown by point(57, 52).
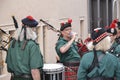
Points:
point(100, 12)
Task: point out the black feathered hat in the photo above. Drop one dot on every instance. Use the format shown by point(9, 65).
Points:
point(65, 25)
point(98, 34)
point(30, 21)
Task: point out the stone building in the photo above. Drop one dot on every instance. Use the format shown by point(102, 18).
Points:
point(85, 14)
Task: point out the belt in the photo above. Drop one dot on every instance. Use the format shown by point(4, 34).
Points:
point(71, 63)
point(100, 78)
point(22, 76)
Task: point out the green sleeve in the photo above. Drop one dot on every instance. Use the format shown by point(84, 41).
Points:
point(58, 46)
point(36, 58)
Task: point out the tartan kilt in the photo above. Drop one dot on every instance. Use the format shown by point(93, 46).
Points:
point(71, 69)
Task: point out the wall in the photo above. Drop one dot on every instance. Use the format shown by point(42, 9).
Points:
point(54, 11)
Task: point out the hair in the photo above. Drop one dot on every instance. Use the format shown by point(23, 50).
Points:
point(103, 45)
point(30, 34)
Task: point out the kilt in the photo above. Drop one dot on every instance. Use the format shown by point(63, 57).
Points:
point(71, 69)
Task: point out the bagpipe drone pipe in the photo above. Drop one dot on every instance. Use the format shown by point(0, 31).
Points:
point(6, 42)
point(50, 26)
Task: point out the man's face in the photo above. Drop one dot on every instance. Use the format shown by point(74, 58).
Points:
point(66, 32)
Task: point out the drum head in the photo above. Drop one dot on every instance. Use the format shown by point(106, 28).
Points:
point(53, 67)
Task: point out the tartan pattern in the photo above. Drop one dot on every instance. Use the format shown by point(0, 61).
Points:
point(71, 72)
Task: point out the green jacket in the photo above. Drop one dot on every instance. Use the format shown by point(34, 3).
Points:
point(70, 55)
point(109, 66)
point(22, 61)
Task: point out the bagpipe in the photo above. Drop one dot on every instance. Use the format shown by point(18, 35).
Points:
point(50, 26)
point(5, 43)
point(82, 48)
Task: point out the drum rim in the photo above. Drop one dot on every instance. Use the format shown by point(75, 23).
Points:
point(61, 68)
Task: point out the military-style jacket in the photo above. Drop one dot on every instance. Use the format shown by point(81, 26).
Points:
point(109, 66)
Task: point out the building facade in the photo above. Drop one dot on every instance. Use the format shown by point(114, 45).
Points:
point(85, 15)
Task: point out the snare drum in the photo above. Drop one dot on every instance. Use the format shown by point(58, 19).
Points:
point(53, 72)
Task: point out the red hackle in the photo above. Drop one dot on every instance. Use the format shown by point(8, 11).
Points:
point(69, 20)
point(30, 17)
